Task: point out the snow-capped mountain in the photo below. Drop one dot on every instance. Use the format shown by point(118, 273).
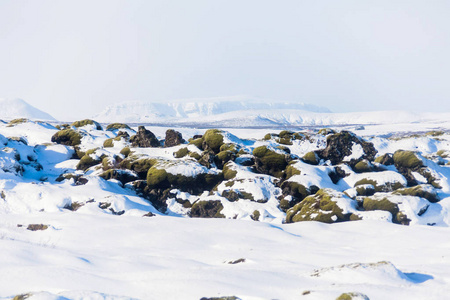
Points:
point(235, 112)
point(196, 110)
point(18, 108)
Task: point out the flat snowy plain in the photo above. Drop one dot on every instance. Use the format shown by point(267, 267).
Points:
point(90, 254)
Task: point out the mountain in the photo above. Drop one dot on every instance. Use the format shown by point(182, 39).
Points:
point(235, 112)
point(196, 110)
point(18, 108)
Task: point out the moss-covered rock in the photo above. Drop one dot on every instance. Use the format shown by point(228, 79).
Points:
point(123, 176)
point(319, 207)
point(311, 158)
point(157, 178)
point(182, 152)
point(385, 159)
point(125, 151)
point(352, 296)
point(213, 139)
point(138, 164)
point(424, 191)
point(294, 189)
point(85, 122)
point(385, 187)
point(384, 204)
point(195, 155)
point(225, 156)
point(88, 161)
point(256, 215)
point(67, 137)
point(407, 159)
point(291, 171)
point(340, 145)
point(207, 209)
point(362, 166)
point(117, 126)
point(326, 131)
point(228, 171)
point(108, 163)
point(406, 163)
point(17, 122)
point(198, 142)
point(365, 190)
point(108, 143)
point(269, 162)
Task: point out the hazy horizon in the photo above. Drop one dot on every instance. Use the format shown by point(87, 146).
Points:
point(71, 59)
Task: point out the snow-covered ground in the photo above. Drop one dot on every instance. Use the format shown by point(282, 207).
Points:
point(108, 249)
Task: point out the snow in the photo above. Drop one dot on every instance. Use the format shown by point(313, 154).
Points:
point(18, 108)
point(97, 253)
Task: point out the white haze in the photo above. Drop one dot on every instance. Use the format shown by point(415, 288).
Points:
point(74, 58)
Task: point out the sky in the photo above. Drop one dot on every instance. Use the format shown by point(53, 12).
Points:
point(74, 58)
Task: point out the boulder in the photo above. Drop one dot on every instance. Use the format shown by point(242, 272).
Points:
point(144, 139)
point(340, 145)
point(173, 138)
point(207, 209)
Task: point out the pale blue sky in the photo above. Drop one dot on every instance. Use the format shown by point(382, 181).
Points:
point(73, 58)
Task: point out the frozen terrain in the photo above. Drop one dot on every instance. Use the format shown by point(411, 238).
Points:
point(77, 224)
point(18, 108)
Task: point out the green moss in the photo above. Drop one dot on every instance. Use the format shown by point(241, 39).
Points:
point(85, 122)
point(214, 139)
point(207, 209)
point(311, 158)
point(385, 159)
point(326, 131)
point(182, 152)
point(351, 296)
point(295, 189)
point(125, 151)
point(319, 207)
point(291, 171)
point(255, 216)
point(284, 141)
point(86, 162)
point(365, 190)
point(228, 147)
point(108, 143)
point(270, 159)
point(195, 155)
point(381, 204)
point(22, 296)
point(108, 163)
point(268, 136)
point(197, 142)
point(286, 134)
point(114, 126)
point(386, 187)
point(138, 165)
point(228, 172)
point(17, 122)
point(155, 177)
point(443, 153)
point(225, 156)
point(419, 191)
point(362, 167)
point(435, 133)
point(407, 159)
point(67, 137)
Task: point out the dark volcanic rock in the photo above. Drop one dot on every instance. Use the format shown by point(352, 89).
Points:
point(339, 145)
point(173, 138)
point(144, 138)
